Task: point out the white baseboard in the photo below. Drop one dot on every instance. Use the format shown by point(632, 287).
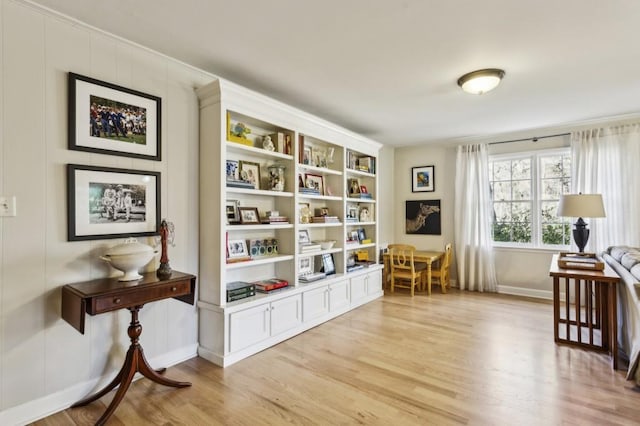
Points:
point(42, 407)
point(527, 292)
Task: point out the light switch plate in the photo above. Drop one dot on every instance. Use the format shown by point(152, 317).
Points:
point(7, 205)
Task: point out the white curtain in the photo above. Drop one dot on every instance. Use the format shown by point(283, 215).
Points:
point(473, 216)
point(607, 162)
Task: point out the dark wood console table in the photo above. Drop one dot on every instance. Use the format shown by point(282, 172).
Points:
point(591, 320)
point(108, 294)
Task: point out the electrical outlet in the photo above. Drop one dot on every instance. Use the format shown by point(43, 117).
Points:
point(7, 206)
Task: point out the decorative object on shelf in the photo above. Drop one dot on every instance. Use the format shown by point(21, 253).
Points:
point(306, 155)
point(263, 247)
point(237, 250)
point(328, 265)
point(250, 172)
point(364, 214)
point(423, 217)
point(121, 121)
point(232, 211)
point(233, 170)
point(249, 215)
point(580, 260)
point(305, 265)
point(278, 142)
point(330, 153)
point(240, 130)
point(362, 235)
point(105, 202)
point(129, 257)
point(267, 143)
point(354, 187)
point(303, 236)
point(362, 256)
point(481, 81)
point(581, 205)
point(276, 177)
point(322, 211)
point(315, 182)
point(304, 212)
point(326, 244)
point(352, 160)
point(319, 157)
point(423, 179)
point(352, 213)
point(366, 164)
point(167, 236)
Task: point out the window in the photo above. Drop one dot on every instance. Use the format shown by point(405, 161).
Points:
point(525, 190)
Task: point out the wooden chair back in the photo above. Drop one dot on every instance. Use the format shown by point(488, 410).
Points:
point(403, 268)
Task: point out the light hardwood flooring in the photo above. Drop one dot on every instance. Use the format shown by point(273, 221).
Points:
point(449, 359)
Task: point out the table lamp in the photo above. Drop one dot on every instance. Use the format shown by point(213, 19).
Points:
point(581, 205)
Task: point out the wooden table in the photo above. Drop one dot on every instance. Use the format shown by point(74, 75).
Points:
point(428, 257)
point(108, 294)
point(591, 321)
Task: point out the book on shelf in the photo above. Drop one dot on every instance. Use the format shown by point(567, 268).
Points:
point(275, 220)
point(240, 296)
point(237, 290)
point(238, 259)
point(313, 276)
point(310, 191)
point(235, 183)
point(366, 164)
point(364, 195)
point(278, 141)
point(271, 284)
point(354, 267)
point(325, 219)
point(309, 247)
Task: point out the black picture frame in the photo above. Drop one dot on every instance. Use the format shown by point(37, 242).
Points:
point(328, 265)
point(106, 202)
point(423, 179)
point(134, 129)
point(423, 217)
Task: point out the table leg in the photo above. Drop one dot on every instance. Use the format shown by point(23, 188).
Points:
point(134, 362)
point(429, 278)
point(556, 307)
point(613, 324)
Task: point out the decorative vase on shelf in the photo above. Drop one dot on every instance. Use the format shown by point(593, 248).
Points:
point(276, 177)
point(166, 236)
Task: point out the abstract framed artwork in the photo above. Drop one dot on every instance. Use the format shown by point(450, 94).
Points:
point(423, 217)
point(105, 202)
point(423, 179)
point(108, 119)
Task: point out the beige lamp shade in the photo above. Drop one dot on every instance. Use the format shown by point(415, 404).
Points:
point(581, 205)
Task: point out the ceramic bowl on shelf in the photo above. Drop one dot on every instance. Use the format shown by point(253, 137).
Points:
point(129, 257)
point(326, 245)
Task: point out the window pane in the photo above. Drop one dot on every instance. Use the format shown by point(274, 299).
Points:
point(502, 232)
point(556, 234)
point(551, 189)
point(521, 169)
point(521, 212)
point(549, 212)
point(502, 212)
point(502, 170)
point(502, 191)
point(566, 166)
point(522, 190)
point(521, 232)
point(552, 166)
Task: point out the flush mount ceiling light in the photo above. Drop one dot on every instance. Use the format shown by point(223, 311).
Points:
point(481, 81)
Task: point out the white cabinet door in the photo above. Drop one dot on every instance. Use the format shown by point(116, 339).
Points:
point(248, 327)
point(338, 295)
point(374, 283)
point(358, 288)
point(315, 303)
point(286, 314)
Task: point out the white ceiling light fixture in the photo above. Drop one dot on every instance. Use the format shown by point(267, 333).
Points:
point(481, 81)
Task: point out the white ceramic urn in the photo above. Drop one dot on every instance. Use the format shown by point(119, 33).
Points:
point(129, 257)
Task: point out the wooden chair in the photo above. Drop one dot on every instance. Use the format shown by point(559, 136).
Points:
point(405, 273)
point(442, 274)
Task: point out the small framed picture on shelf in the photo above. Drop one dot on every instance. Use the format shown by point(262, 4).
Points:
point(352, 212)
point(305, 265)
point(423, 179)
point(300, 181)
point(237, 249)
point(315, 182)
point(303, 236)
point(364, 215)
point(306, 155)
point(328, 266)
point(250, 172)
point(233, 170)
point(322, 211)
point(362, 235)
point(232, 211)
point(363, 189)
point(354, 187)
point(249, 215)
point(353, 236)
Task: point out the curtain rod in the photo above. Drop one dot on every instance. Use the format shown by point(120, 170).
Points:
point(534, 139)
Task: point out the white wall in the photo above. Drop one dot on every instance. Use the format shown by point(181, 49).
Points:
point(386, 210)
point(45, 364)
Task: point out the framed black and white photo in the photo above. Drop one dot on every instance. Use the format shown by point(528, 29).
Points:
point(250, 172)
point(249, 215)
point(237, 249)
point(231, 210)
point(328, 266)
point(303, 236)
point(105, 202)
point(305, 265)
point(109, 119)
point(314, 182)
point(423, 179)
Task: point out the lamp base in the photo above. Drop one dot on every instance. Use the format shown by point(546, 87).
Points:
point(580, 234)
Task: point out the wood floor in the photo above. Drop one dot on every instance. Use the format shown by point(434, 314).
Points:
point(458, 358)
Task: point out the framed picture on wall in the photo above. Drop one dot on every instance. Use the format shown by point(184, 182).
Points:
point(109, 119)
point(104, 202)
point(423, 179)
point(423, 217)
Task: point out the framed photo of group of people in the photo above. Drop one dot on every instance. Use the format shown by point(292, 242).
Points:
point(107, 202)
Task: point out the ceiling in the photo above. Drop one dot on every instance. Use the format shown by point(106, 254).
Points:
point(388, 68)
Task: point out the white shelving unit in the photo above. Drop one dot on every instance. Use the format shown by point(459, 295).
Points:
point(318, 153)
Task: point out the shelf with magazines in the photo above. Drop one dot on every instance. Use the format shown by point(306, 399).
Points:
point(286, 173)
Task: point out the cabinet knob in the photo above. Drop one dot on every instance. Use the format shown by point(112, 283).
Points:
point(174, 288)
point(117, 300)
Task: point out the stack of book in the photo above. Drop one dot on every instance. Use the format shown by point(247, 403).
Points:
point(363, 195)
point(325, 219)
point(309, 247)
point(275, 219)
point(237, 183)
point(309, 191)
point(270, 285)
point(313, 276)
point(237, 290)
